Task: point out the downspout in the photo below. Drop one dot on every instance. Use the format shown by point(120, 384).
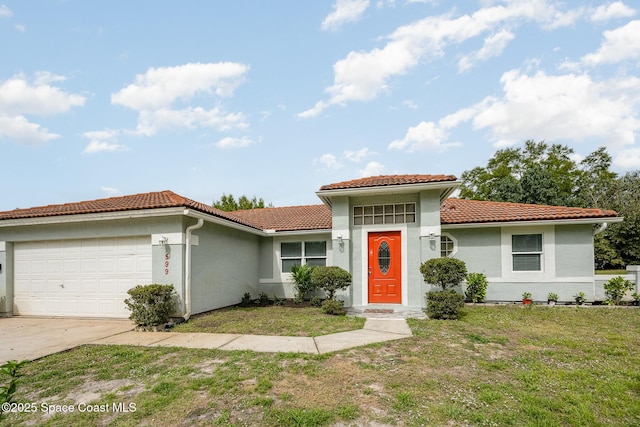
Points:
point(187, 269)
point(600, 228)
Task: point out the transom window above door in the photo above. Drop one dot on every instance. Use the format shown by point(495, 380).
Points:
point(397, 213)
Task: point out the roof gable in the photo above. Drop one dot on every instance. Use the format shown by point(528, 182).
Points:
point(387, 180)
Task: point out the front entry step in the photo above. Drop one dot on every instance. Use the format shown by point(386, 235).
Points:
point(386, 313)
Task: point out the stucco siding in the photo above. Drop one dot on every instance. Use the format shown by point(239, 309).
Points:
point(224, 266)
point(479, 248)
point(574, 251)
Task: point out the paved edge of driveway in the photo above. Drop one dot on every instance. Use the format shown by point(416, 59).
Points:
point(374, 331)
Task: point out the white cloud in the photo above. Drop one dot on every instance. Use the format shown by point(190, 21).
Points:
point(628, 159)
point(154, 94)
point(20, 27)
point(610, 11)
point(620, 44)
point(362, 76)
point(103, 140)
point(424, 136)
point(161, 87)
point(19, 129)
point(493, 46)
point(5, 12)
point(20, 98)
point(357, 156)
point(151, 122)
point(372, 169)
point(330, 161)
point(562, 107)
point(230, 142)
point(314, 111)
point(412, 105)
point(540, 106)
point(344, 11)
point(111, 191)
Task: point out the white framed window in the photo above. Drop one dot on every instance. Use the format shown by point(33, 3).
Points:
point(526, 252)
point(299, 253)
point(448, 246)
point(396, 213)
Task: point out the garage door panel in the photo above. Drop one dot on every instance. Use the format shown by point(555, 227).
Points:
point(95, 275)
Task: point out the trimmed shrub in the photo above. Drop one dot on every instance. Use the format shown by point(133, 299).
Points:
point(476, 290)
point(151, 305)
point(333, 306)
point(444, 272)
point(616, 288)
point(330, 279)
point(444, 304)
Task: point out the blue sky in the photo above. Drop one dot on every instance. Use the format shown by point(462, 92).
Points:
point(275, 99)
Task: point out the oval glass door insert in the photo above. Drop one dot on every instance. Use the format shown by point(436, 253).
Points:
point(384, 257)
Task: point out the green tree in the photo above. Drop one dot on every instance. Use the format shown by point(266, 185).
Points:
point(229, 203)
point(625, 236)
point(597, 184)
point(537, 173)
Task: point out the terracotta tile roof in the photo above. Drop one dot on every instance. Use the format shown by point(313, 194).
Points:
point(460, 211)
point(387, 180)
point(154, 200)
point(311, 217)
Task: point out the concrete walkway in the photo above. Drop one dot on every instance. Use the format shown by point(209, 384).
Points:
point(375, 330)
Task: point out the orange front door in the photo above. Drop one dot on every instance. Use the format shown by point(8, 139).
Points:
point(385, 278)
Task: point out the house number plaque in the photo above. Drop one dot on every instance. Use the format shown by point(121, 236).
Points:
point(166, 264)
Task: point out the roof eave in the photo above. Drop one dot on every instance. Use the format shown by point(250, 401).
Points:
point(529, 223)
point(95, 216)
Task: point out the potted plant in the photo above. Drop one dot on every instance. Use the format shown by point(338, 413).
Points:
point(580, 298)
point(636, 298)
point(526, 298)
point(552, 298)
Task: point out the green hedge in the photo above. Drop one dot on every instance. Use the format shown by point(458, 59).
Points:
point(444, 304)
point(151, 305)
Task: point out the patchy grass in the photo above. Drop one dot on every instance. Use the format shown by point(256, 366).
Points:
point(275, 320)
point(505, 366)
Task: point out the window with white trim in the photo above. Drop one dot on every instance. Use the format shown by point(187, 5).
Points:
point(298, 253)
point(447, 246)
point(526, 252)
point(397, 213)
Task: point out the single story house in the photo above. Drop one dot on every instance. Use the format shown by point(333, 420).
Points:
point(79, 259)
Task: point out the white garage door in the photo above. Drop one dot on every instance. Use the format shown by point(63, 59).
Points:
point(84, 278)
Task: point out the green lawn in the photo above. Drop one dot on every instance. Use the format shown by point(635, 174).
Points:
point(502, 366)
point(272, 320)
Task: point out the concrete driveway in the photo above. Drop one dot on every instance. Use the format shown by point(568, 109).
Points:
point(35, 337)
